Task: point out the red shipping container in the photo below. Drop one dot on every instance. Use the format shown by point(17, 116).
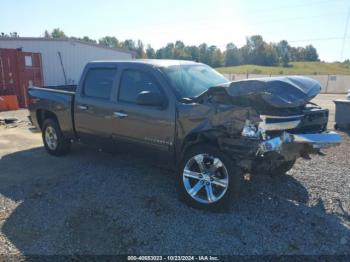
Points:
point(18, 70)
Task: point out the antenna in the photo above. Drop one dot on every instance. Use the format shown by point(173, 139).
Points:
point(64, 72)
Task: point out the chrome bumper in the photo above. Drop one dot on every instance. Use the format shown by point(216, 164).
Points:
point(316, 141)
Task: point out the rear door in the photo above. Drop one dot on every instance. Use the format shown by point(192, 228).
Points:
point(144, 128)
point(93, 108)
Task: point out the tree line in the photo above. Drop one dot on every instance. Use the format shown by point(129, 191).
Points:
point(255, 51)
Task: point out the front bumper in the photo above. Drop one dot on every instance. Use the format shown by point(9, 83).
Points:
point(309, 143)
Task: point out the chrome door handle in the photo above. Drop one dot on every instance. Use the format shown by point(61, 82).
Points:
point(83, 107)
point(120, 114)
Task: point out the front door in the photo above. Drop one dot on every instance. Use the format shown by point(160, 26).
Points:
point(146, 129)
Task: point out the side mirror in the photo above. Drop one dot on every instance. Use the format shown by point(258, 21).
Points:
point(147, 98)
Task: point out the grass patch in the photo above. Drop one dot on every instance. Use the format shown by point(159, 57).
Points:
point(295, 68)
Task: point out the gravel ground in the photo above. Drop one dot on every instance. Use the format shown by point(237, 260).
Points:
point(91, 202)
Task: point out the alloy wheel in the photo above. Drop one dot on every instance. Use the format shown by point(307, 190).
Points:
point(51, 138)
point(205, 178)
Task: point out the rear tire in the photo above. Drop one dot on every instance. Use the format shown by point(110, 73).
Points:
point(54, 141)
point(207, 178)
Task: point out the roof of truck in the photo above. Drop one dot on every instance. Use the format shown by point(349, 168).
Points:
point(154, 62)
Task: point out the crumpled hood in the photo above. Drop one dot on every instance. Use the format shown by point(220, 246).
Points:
point(277, 92)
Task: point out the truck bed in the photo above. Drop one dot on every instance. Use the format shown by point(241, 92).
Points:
point(57, 101)
point(70, 88)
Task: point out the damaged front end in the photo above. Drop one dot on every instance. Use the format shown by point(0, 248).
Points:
point(290, 124)
point(266, 119)
point(288, 143)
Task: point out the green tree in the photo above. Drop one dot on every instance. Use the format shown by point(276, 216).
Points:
point(193, 52)
point(180, 52)
point(255, 51)
point(47, 34)
point(89, 40)
point(150, 53)
point(283, 51)
point(258, 52)
point(244, 54)
point(310, 53)
point(159, 53)
point(232, 56)
point(296, 53)
point(179, 45)
point(216, 57)
point(139, 49)
point(128, 44)
point(14, 34)
point(204, 56)
point(109, 41)
point(168, 51)
point(57, 33)
point(270, 55)
point(85, 39)
point(11, 34)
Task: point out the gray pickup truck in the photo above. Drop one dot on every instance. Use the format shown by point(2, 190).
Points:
point(187, 115)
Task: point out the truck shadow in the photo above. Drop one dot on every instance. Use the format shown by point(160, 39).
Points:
point(96, 203)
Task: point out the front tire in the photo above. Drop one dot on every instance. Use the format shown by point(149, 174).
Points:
point(207, 178)
point(54, 141)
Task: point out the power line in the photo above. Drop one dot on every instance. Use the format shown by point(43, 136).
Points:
point(345, 35)
point(319, 39)
point(296, 18)
point(277, 8)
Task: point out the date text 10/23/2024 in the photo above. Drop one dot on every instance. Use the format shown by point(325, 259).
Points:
point(173, 258)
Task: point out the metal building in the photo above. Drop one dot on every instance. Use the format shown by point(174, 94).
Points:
point(64, 59)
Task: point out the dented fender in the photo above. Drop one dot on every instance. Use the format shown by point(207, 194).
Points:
point(230, 119)
point(216, 121)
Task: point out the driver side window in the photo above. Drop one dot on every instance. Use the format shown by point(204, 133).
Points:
point(134, 82)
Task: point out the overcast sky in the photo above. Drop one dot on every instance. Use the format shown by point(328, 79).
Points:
point(158, 22)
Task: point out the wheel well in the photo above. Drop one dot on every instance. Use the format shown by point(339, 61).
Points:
point(208, 137)
point(42, 115)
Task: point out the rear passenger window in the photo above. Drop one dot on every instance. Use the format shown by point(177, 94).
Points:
point(133, 82)
point(99, 82)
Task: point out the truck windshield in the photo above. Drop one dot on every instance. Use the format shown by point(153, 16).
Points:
point(193, 79)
